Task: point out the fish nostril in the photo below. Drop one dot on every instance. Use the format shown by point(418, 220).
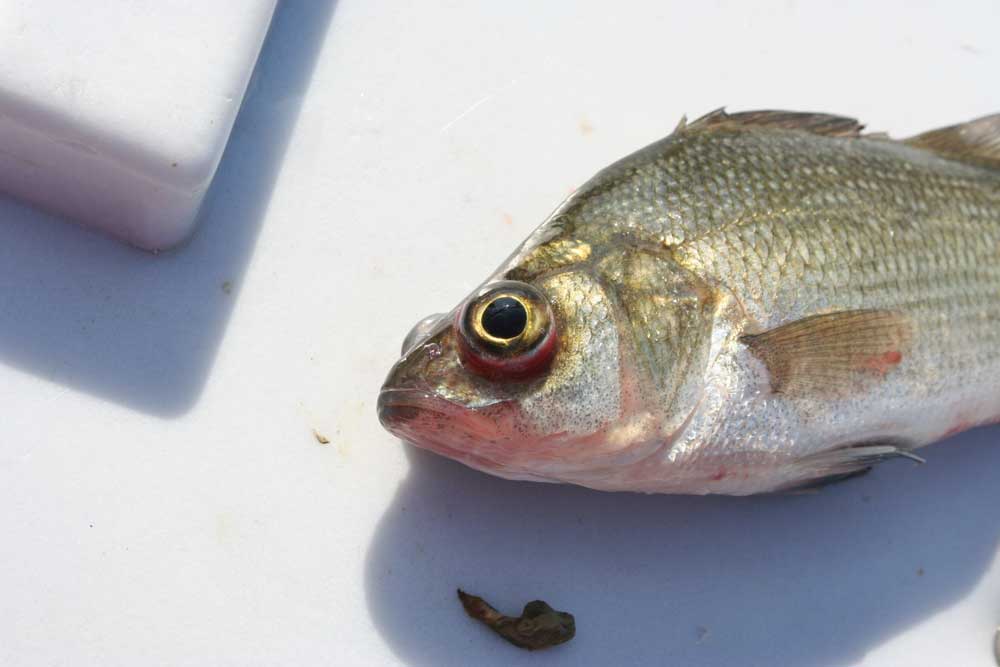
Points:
point(419, 331)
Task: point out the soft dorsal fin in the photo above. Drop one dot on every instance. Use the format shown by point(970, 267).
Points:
point(976, 142)
point(816, 123)
point(832, 354)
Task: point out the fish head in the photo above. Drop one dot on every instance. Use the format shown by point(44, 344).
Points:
point(572, 375)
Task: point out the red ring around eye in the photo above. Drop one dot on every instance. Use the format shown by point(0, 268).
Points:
point(515, 367)
point(513, 350)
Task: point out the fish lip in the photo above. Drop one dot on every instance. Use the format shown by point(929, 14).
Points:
point(399, 405)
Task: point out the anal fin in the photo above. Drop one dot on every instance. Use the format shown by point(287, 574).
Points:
point(846, 462)
point(820, 483)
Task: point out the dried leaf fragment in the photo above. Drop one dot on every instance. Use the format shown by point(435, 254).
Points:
point(539, 625)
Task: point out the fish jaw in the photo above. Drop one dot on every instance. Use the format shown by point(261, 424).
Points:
point(485, 438)
point(494, 440)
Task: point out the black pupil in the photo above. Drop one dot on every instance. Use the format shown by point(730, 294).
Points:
point(505, 318)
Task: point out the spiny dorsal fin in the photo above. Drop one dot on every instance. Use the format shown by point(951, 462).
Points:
point(815, 123)
point(833, 354)
point(976, 142)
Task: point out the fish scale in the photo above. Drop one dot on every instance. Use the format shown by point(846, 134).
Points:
point(760, 301)
point(940, 266)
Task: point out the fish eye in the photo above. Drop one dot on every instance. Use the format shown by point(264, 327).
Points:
point(504, 317)
point(506, 331)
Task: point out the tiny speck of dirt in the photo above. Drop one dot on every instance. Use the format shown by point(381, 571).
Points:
point(585, 127)
point(920, 571)
point(227, 287)
point(320, 438)
point(91, 525)
point(173, 164)
point(702, 633)
point(866, 499)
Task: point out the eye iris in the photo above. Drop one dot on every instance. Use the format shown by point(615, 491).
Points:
point(504, 318)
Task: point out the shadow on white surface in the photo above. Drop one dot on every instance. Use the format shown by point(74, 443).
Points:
point(808, 580)
point(83, 310)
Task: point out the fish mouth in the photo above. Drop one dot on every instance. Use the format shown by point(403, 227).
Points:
point(478, 437)
point(420, 416)
point(399, 407)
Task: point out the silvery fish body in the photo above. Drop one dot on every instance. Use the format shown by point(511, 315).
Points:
point(761, 301)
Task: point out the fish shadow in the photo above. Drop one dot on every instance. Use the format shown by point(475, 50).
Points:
point(83, 310)
point(809, 580)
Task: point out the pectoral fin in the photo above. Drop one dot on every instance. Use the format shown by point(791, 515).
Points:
point(832, 354)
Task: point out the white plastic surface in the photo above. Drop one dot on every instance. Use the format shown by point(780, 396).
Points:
point(164, 501)
point(115, 114)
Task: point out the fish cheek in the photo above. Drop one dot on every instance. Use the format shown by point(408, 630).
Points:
point(580, 394)
point(450, 379)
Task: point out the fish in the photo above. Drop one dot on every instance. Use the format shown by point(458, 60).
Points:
point(763, 301)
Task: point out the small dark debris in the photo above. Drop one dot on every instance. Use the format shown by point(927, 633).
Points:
point(920, 571)
point(227, 287)
point(539, 625)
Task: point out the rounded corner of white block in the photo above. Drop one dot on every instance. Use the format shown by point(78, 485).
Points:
point(157, 238)
point(137, 169)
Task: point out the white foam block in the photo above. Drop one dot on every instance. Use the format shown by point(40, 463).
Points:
point(115, 114)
